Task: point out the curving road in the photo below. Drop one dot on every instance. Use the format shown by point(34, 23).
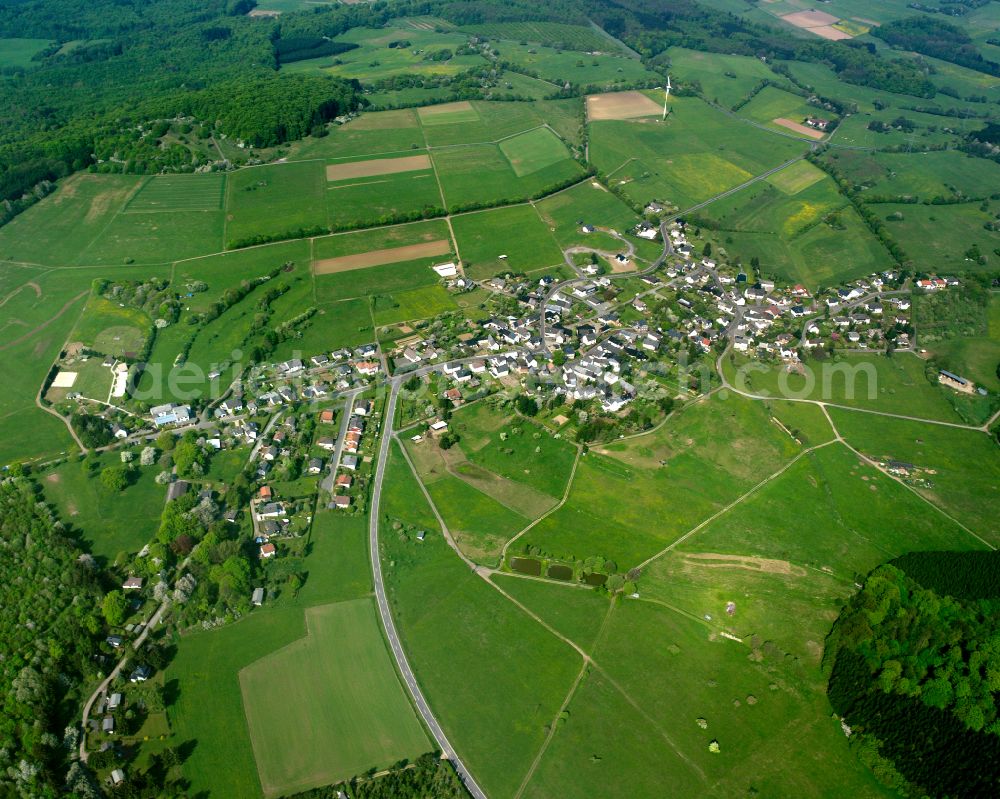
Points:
point(383, 603)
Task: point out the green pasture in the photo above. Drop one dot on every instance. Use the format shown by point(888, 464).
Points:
point(372, 133)
point(533, 151)
point(554, 34)
point(975, 357)
point(409, 97)
point(724, 79)
point(587, 203)
point(876, 382)
point(18, 52)
point(526, 86)
point(515, 674)
point(797, 177)
point(960, 468)
point(71, 219)
point(937, 237)
point(329, 706)
point(381, 239)
point(208, 708)
point(514, 448)
point(110, 329)
point(516, 231)
point(275, 200)
point(373, 59)
point(155, 237)
point(376, 280)
point(477, 122)
point(671, 479)
point(773, 103)
point(936, 174)
point(107, 522)
point(407, 306)
point(574, 612)
point(696, 154)
point(379, 199)
point(598, 71)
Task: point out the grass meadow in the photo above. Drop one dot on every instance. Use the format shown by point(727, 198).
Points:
point(773, 103)
point(671, 479)
point(696, 154)
point(937, 237)
point(329, 705)
point(587, 203)
point(516, 232)
point(204, 676)
point(724, 79)
point(18, 52)
point(888, 385)
point(599, 71)
point(107, 522)
point(961, 468)
point(514, 673)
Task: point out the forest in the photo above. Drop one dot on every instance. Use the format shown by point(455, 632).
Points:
point(936, 38)
point(917, 672)
point(427, 776)
point(50, 628)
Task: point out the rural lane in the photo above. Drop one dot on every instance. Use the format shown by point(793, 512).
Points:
point(383, 603)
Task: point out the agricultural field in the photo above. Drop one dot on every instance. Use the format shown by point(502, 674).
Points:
point(370, 134)
point(696, 154)
point(476, 122)
point(974, 356)
point(519, 167)
point(380, 190)
point(515, 232)
point(935, 174)
point(395, 259)
point(277, 199)
point(724, 79)
point(601, 71)
point(342, 709)
point(782, 111)
point(938, 238)
point(552, 34)
point(674, 479)
point(566, 212)
point(957, 470)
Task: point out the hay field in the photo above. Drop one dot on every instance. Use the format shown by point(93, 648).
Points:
point(328, 706)
point(621, 105)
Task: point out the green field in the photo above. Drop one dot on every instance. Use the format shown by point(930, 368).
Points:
point(600, 72)
point(772, 103)
point(514, 673)
point(533, 151)
point(974, 356)
point(179, 193)
point(405, 306)
point(697, 154)
point(110, 329)
point(965, 465)
point(937, 237)
point(888, 385)
point(587, 203)
point(555, 34)
point(476, 122)
point(368, 134)
point(673, 479)
point(374, 59)
point(516, 232)
point(18, 52)
point(724, 79)
point(366, 201)
point(799, 227)
point(275, 200)
point(108, 522)
point(208, 706)
point(329, 705)
point(936, 174)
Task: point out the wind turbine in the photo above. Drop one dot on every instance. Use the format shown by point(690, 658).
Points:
point(666, 97)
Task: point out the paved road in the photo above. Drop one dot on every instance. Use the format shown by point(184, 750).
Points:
point(338, 450)
point(383, 603)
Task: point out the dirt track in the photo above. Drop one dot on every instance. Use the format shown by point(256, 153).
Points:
point(346, 263)
point(377, 166)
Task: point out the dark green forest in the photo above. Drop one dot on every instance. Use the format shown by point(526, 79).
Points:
point(914, 664)
point(428, 777)
point(49, 632)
